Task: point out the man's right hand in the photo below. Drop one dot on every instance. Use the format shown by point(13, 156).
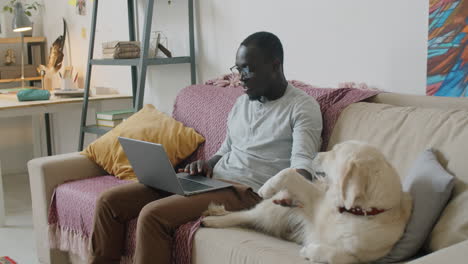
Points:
point(202, 167)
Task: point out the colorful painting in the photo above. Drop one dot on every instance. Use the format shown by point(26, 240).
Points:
point(447, 66)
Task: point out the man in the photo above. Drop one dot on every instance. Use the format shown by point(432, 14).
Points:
point(272, 127)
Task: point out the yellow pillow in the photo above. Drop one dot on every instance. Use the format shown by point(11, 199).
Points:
point(148, 124)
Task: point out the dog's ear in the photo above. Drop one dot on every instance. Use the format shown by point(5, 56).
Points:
point(353, 183)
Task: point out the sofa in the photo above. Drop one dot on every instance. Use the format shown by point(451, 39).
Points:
point(400, 125)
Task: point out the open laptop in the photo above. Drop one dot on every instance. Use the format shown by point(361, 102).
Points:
point(153, 168)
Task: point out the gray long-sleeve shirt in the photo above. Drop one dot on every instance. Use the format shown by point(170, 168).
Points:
point(265, 137)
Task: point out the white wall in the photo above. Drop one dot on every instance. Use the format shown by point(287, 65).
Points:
point(382, 43)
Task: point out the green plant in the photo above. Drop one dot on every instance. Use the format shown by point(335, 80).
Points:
point(28, 8)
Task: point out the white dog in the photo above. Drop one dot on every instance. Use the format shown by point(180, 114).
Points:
point(356, 213)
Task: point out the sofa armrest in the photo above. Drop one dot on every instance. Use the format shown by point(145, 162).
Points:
point(454, 254)
point(45, 174)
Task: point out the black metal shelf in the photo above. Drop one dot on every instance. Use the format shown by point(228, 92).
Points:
point(138, 66)
point(174, 60)
point(117, 62)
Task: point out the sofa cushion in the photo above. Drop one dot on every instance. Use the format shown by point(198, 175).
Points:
point(401, 133)
point(148, 124)
point(243, 246)
point(430, 187)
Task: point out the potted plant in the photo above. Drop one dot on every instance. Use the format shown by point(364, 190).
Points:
point(30, 8)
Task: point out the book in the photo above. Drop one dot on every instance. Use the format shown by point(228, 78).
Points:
point(69, 92)
point(113, 115)
point(109, 123)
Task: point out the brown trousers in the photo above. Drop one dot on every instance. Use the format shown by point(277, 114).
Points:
point(159, 214)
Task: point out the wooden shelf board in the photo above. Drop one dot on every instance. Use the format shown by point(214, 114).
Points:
point(19, 79)
point(26, 40)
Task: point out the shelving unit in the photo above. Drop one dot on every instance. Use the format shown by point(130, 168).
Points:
point(138, 66)
point(19, 79)
point(30, 42)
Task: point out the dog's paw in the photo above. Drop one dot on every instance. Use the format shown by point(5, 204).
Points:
point(277, 183)
point(212, 221)
point(303, 253)
point(215, 210)
point(312, 253)
point(318, 253)
point(267, 190)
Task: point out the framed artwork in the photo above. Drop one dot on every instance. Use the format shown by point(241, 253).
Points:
point(447, 63)
point(81, 7)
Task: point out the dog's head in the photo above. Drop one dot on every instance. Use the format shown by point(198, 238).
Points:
point(360, 176)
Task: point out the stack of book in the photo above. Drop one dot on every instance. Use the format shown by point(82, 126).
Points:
point(113, 118)
point(121, 50)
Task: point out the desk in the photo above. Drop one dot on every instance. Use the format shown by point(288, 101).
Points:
point(40, 110)
point(10, 107)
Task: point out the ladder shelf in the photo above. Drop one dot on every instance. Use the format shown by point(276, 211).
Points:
point(138, 66)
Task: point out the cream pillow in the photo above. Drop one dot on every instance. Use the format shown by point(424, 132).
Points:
point(148, 124)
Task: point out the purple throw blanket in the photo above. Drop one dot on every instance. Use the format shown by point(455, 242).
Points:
point(72, 210)
point(202, 107)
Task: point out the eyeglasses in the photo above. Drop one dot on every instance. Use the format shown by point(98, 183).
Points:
point(244, 72)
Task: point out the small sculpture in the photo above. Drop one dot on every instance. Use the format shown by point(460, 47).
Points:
point(10, 57)
point(56, 54)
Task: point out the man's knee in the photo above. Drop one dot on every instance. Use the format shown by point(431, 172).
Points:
point(108, 201)
point(151, 220)
point(149, 214)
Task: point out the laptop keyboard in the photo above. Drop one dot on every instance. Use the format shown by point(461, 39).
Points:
point(190, 186)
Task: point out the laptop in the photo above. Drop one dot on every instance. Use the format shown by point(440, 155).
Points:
point(153, 168)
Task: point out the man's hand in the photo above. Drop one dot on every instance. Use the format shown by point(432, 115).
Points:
point(202, 167)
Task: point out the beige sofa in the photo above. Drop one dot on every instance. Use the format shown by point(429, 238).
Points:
point(401, 126)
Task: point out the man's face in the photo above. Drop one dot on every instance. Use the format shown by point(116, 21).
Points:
point(256, 75)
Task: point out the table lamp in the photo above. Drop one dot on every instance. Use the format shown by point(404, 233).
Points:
point(21, 23)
